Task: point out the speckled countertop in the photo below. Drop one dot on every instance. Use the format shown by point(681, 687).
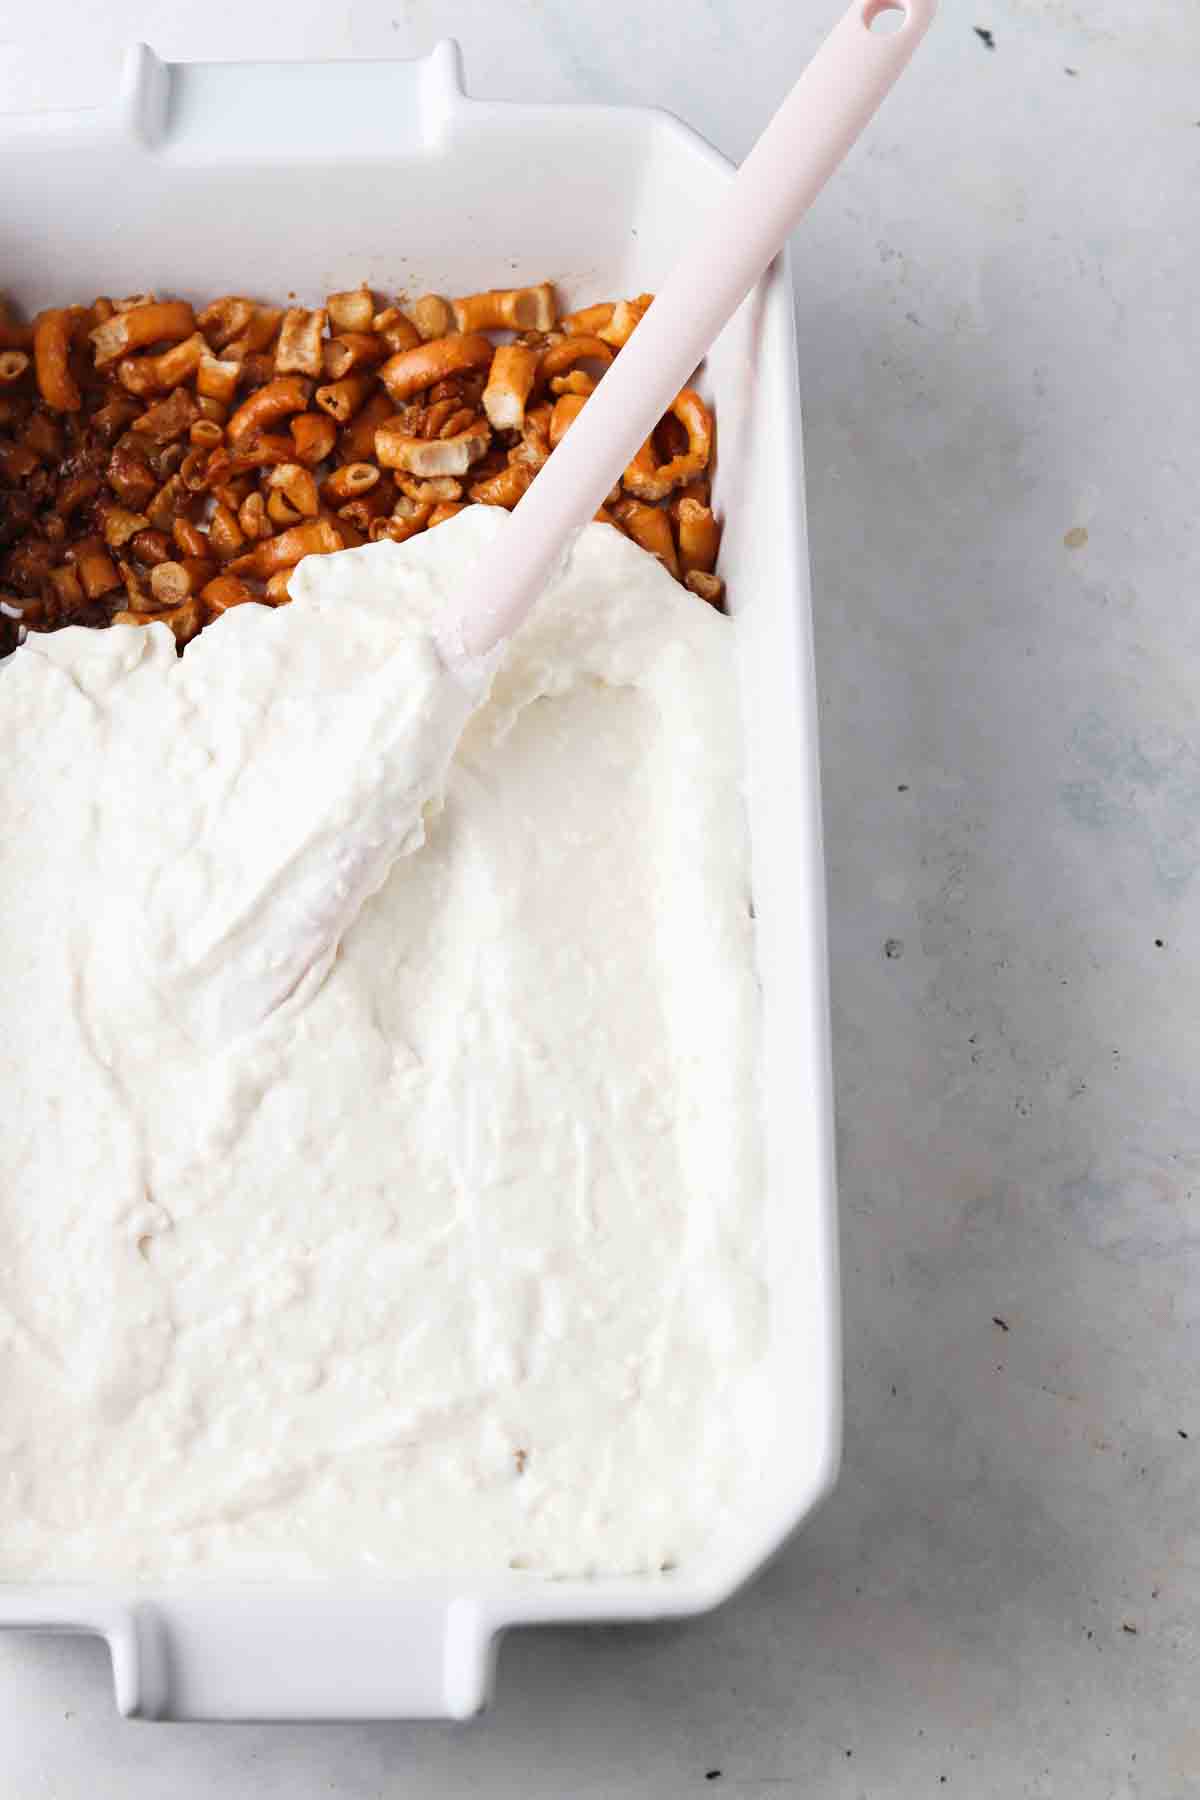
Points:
point(1000, 356)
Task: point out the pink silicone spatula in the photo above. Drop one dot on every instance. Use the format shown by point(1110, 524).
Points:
point(237, 969)
point(821, 118)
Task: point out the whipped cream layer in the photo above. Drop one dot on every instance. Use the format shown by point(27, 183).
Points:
point(433, 1245)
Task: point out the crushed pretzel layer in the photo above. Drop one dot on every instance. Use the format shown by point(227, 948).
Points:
point(159, 462)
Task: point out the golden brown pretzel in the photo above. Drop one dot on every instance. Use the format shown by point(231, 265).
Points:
point(266, 405)
point(560, 357)
point(224, 319)
point(699, 536)
point(627, 315)
point(280, 511)
point(699, 489)
point(348, 482)
point(411, 370)
point(119, 524)
point(225, 537)
point(206, 434)
point(314, 435)
point(144, 375)
point(153, 322)
point(404, 523)
point(170, 418)
point(446, 418)
point(95, 567)
point(52, 332)
point(576, 381)
point(265, 450)
point(173, 582)
point(651, 480)
point(351, 310)
point(275, 590)
point(257, 336)
point(504, 488)
point(357, 441)
point(217, 378)
point(589, 319)
point(445, 509)
point(534, 447)
point(432, 490)
point(224, 591)
point(298, 487)
point(395, 331)
point(708, 587)
point(397, 449)
point(351, 350)
point(376, 503)
point(316, 537)
point(151, 546)
point(507, 309)
point(567, 409)
point(252, 517)
point(298, 348)
point(342, 399)
point(432, 317)
point(510, 381)
point(189, 537)
point(650, 527)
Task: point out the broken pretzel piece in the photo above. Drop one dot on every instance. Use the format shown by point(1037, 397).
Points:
point(316, 537)
point(157, 321)
point(647, 478)
point(507, 309)
point(266, 405)
point(510, 382)
point(299, 346)
point(428, 457)
point(410, 371)
point(650, 527)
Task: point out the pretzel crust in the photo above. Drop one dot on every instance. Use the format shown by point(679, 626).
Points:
point(162, 462)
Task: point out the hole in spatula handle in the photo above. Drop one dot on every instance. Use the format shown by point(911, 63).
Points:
point(885, 17)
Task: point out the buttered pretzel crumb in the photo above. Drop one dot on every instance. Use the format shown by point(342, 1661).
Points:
point(161, 463)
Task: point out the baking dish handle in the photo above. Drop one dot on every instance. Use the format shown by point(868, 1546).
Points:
point(315, 1652)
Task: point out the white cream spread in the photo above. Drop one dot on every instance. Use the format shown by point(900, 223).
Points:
point(434, 1247)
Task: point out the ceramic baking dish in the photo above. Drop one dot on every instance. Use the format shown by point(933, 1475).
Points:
point(199, 178)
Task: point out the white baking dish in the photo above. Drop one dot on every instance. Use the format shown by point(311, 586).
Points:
point(205, 177)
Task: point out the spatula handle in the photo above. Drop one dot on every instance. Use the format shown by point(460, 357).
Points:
point(821, 118)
